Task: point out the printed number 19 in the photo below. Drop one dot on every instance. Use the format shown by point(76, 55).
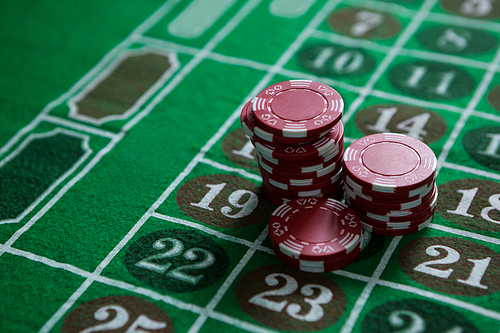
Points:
point(234, 199)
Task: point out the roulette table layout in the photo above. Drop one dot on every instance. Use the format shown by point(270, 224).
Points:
point(131, 198)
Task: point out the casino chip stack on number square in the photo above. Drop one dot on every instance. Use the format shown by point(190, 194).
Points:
point(389, 180)
point(315, 234)
point(299, 139)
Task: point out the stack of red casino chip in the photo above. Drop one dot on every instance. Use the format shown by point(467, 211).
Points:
point(389, 181)
point(299, 139)
point(315, 234)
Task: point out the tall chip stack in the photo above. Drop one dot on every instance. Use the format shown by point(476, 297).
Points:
point(389, 181)
point(299, 139)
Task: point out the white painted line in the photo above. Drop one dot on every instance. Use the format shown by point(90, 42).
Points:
point(486, 115)
point(464, 22)
point(152, 20)
point(63, 191)
point(36, 136)
point(242, 13)
point(227, 283)
point(469, 110)
point(200, 227)
point(170, 46)
point(470, 170)
point(365, 294)
point(384, 6)
point(420, 54)
point(290, 9)
point(236, 322)
point(46, 261)
point(198, 17)
point(465, 233)
point(442, 299)
point(416, 101)
point(242, 172)
point(415, 23)
point(73, 102)
point(78, 126)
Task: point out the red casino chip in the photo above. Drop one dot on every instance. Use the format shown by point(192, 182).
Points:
point(381, 197)
point(315, 229)
point(278, 198)
point(264, 136)
point(329, 187)
point(400, 204)
point(397, 232)
point(297, 108)
point(387, 218)
point(300, 181)
point(287, 170)
point(389, 209)
point(317, 266)
point(325, 146)
point(296, 186)
point(390, 163)
point(396, 225)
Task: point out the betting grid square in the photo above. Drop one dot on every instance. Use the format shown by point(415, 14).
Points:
point(471, 110)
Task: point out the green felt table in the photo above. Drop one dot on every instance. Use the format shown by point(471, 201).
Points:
point(130, 197)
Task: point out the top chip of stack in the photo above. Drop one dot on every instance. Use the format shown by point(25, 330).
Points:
point(296, 130)
point(389, 181)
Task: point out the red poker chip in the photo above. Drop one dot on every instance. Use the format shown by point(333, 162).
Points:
point(396, 225)
point(315, 229)
point(389, 204)
point(279, 199)
point(385, 218)
point(295, 186)
point(328, 187)
point(263, 136)
point(391, 210)
point(329, 191)
point(277, 174)
point(314, 164)
point(317, 266)
point(325, 146)
point(298, 108)
point(301, 180)
point(389, 197)
point(302, 170)
point(397, 232)
point(390, 162)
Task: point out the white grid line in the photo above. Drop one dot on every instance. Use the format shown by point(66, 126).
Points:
point(424, 55)
point(149, 22)
point(224, 167)
point(271, 70)
point(393, 53)
point(225, 59)
point(406, 34)
point(469, 110)
point(211, 44)
point(365, 294)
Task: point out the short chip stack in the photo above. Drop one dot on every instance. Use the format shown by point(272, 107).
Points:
point(389, 181)
point(315, 234)
point(299, 139)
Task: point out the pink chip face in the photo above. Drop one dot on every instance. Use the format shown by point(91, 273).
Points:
point(297, 108)
point(390, 163)
point(316, 229)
